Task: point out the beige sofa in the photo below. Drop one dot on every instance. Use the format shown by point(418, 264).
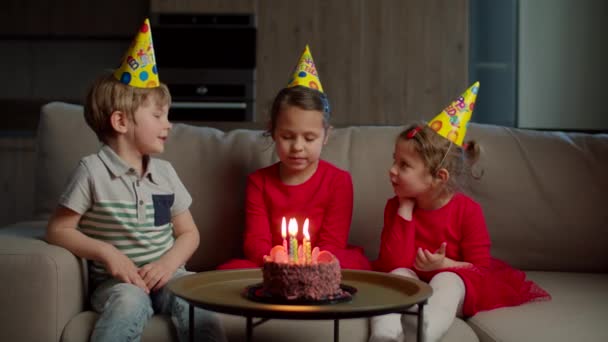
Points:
point(543, 193)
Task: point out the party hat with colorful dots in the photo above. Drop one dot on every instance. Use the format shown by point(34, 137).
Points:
point(138, 66)
point(452, 122)
point(305, 73)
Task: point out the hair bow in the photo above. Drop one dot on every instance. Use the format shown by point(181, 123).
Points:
point(413, 132)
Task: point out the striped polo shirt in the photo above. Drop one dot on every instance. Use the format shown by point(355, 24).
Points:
point(121, 208)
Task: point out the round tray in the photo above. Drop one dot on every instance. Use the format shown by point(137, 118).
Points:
point(377, 294)
point(256, 293)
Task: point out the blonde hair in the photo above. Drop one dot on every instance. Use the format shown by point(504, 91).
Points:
point(107, 95)
point(438, 152)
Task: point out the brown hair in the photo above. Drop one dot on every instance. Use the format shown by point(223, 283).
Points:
point(301, 97)
point(108, 95)
point(438, 152)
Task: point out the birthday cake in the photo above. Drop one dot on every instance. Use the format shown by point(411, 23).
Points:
point(317, 278)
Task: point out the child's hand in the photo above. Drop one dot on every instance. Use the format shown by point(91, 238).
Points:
point(122, 268)
point(406, 207)
point(156, 274)
point(427, 261)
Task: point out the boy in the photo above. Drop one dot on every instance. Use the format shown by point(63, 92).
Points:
point(126, 212)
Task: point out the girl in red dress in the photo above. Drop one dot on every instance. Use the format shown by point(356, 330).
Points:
point(300, 185)
point(434, 233)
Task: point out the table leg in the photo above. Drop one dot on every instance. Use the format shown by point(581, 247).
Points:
point(191, 323)
point(336, 330)
point(420, 330)
point(249, 332)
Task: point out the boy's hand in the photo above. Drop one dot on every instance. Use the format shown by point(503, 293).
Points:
point(427, 261)
point(122, 268)
point(406, 207)
point(156, 274)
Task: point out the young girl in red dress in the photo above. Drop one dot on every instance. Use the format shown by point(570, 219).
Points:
point(300, 185)
point(434, 233)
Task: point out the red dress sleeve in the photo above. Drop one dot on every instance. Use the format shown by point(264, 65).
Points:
point(338, 215)
point(397, 240)
point(337, 219)
point(257, 237)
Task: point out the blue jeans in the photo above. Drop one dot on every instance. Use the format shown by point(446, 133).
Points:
point(125, 309)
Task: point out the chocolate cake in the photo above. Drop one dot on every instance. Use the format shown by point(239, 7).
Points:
point(318, 280)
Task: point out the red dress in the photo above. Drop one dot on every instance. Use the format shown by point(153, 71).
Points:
point(326, 199)
point(490, 283)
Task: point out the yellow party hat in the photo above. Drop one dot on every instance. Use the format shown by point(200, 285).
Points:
point(138, 66)
point(305, 73)
point(452, 122)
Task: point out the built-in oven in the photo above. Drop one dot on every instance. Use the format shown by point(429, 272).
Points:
point(208, 61)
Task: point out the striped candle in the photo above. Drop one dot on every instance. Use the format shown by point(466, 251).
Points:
point(293, 240)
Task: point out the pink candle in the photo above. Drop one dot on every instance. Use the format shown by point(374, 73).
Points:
point(284, 234)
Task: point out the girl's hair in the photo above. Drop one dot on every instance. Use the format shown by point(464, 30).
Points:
point(108, 95)
point(438, 152)
point(301, 97)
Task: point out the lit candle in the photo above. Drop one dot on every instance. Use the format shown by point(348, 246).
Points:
point(293, 240)
point(307, 250)
point(284, 234)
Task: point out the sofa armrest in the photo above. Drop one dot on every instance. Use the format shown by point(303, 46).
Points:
point(42, 285)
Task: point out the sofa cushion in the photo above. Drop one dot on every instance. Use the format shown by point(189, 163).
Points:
point(577, 312)
point(544, 197)
point(213, 165)
point(63, 138)
point(160, 328)
point(542, 192)
point(42, 285)
point(352, 330)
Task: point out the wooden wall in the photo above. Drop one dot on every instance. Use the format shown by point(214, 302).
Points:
point(380, 61)
point(71, 18)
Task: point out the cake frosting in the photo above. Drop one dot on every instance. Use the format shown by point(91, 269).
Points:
point(317, 280)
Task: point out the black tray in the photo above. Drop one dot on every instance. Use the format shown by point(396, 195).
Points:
point(256, 293)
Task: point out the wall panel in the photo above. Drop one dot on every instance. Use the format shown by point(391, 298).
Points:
point(381, 62)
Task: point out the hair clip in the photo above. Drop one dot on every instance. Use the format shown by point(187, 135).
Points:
point(325, 101)
point(413, 132)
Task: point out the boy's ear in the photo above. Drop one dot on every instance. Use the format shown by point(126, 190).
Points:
point(119, 121)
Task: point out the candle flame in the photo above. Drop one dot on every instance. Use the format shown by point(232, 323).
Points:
point(306, 234)
point(283, 228)
point(293, 227)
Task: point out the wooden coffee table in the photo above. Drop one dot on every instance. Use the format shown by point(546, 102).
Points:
point(377, 294)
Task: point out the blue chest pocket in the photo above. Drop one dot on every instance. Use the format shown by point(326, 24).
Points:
point(162, 208)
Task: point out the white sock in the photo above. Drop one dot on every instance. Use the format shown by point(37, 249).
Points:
point(387, 328)
point(442, 307)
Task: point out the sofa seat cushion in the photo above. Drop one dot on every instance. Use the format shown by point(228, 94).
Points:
point(352, 330)
point(158, 329)
point(576, 312)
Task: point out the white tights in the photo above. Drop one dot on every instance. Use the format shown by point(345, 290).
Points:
point(439, 313)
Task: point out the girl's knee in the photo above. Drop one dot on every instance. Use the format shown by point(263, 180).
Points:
point(447, 279)
point(404, 272)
